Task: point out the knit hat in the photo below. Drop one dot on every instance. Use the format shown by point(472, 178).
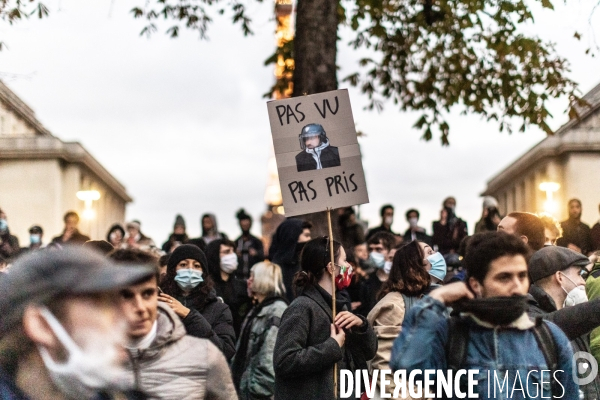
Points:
point(490, 202)
point(134, 224)
point(179, 221)
point(186, 251)
point(552, 259)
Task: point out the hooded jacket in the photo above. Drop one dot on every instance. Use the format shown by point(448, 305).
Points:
point(305, 352)
point(180, 367)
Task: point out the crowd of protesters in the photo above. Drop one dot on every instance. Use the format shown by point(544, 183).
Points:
point(214, 318)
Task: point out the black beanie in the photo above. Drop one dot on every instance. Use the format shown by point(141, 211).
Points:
point(186, 251)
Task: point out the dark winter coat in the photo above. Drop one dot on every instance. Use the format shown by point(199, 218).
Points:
point(421, 236)
point(577, 233)
point(210, 320)
point(305, 352)
point(541, 304)
point(245, 260)
point(448, 237)
point(76, 238)
point(378, 229)
point(595, 235)
point(330, 157)
point(285, 251)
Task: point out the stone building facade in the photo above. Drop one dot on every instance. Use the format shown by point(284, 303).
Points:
point(571, 157)
point(40, 176)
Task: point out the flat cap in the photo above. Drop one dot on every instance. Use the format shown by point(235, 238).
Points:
point(40, 276)
point(552, 259)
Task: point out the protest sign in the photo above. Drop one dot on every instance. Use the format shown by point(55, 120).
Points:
point(317, 153)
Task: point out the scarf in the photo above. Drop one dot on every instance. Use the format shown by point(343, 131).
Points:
point(497, 311)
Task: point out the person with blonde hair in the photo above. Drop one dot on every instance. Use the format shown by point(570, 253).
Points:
point(252, 365)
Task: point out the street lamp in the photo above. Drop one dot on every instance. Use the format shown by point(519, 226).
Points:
point(88, 197)
point(550, 206)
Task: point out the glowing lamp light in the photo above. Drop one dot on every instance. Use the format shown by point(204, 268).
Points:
point(88, 196)
point(550, 206)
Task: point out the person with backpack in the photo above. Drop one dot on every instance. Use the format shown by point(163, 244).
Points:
point(492, 332)
point(408, 281)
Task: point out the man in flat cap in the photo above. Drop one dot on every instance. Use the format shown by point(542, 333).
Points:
point(556, 273)
point(61, 328)
point(316, 150)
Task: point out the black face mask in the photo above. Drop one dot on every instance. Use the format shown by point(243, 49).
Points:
point(299, 247)
point(178, 237)
point(245, 232)
point(495, 310)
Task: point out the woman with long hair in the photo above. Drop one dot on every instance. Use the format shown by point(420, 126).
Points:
point(310, 342)
point(189, 290)
point(410, 277)
point(252, 365)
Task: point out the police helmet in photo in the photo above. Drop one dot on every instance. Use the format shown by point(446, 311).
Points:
point(309, 131)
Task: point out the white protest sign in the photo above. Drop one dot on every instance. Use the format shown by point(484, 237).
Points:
point(317, 153)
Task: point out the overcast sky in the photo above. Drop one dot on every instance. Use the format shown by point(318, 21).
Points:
point(183, 125)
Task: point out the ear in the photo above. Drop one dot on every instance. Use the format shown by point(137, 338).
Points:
point(330, 269)
point(525, 239)
point(558, 276)
point(37, 329)
point(476, 287)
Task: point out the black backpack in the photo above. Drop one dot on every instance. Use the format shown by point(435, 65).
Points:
point(458, 339)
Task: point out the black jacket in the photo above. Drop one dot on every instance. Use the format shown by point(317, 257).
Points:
point(421, 237)
point(285, 251)
point(330, 157)
point(245, 260)
point(541, 304)
point(577, 233)
point(76, 238)
point(305, 352)
point(210, 320)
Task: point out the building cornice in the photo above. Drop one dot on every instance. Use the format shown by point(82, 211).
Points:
point(50, 147)
point(22, 110)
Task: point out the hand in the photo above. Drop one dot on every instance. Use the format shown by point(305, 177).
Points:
point(252, 252)
point(175, 305)
point(347, 320)
point(355, 304)
point(338, 335)
point(452, 292)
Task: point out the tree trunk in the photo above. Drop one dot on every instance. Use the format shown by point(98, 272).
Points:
point(315, 47)
point(315, 53)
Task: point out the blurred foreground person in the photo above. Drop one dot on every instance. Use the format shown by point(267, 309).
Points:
point(493, 333)
point(252, 365)
point(62, 332)
point(164, 361)
point(189, 292)
point(71, 234)
point(309, 341)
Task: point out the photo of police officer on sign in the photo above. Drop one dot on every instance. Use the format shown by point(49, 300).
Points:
point(316, 152)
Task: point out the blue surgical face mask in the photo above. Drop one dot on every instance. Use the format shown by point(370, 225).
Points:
point(377, 259)
point(3, 225)
point(187, 279)
point(35, 238)
point(438, 266)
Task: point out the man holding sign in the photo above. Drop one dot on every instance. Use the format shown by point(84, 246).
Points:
point(317, 153)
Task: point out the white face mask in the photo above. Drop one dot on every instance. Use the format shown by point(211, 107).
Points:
point(387, 267)
point(389, 220)
point(413, 222)
point(575, 296)
point(87, 371)
point(229, 263)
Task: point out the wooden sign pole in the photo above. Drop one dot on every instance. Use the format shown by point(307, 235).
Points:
point(333, 308)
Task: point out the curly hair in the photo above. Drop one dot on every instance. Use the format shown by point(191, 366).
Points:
point(408, 274)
